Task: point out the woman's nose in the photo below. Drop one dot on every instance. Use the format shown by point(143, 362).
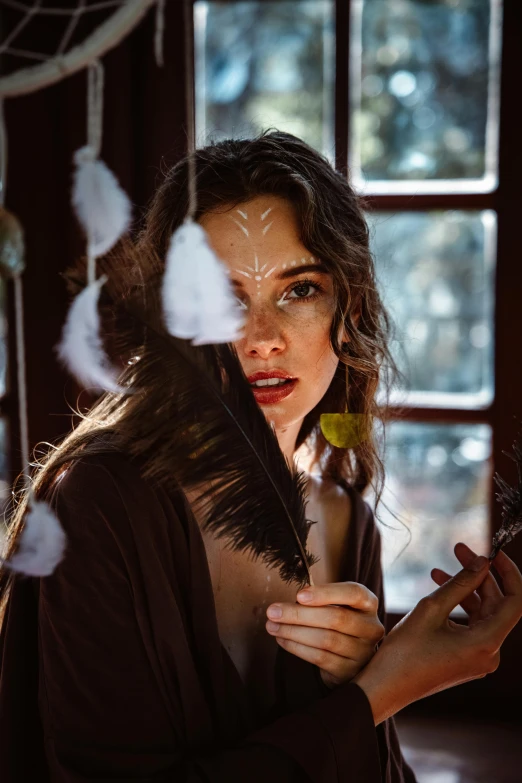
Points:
point(262, 335)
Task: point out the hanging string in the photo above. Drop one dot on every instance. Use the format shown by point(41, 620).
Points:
point(21, 375)
point(158, 33)
point(189, 93)
point(95, 85)
point(19, 320)
point(3, 152)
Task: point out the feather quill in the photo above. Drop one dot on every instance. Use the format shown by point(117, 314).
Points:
point(102, 207)
point(42, 542)
point(208, 431)
point(81, 347)
point(510, 499)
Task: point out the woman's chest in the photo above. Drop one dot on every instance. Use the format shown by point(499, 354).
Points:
point(243, 588)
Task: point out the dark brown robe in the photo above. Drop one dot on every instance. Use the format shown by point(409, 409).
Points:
point(113, 669)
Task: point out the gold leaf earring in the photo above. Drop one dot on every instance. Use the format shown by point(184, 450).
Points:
point(344, 430)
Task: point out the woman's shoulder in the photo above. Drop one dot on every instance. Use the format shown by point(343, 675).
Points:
point(108, 489)
point(109, 511)
point(343, 502)
point(90, 474)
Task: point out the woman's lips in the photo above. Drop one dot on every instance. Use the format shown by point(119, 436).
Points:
point(267, 395)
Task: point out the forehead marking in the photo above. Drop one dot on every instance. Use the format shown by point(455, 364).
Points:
point(255, 269)
point(243, 228)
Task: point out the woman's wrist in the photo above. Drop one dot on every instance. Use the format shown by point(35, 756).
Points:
point(384, 702)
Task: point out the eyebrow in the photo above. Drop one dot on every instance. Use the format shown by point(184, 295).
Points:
point(294, 271)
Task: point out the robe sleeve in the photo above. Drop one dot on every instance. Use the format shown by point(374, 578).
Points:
point(104, 711)
point(393, 765)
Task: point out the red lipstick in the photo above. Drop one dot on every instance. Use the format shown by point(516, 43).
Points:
point(268, 395)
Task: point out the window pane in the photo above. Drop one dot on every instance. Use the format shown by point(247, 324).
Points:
point(436, 275)
point(424, 94)
point(265, 64)
point(438, 483)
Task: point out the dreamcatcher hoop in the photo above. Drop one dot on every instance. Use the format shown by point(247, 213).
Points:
point(105, 37)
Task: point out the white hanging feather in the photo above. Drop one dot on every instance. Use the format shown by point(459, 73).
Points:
point(179, 289)
point(101, 205)
point(81, 347)
point(42, 543)
point(220, 314)
point(198, 301)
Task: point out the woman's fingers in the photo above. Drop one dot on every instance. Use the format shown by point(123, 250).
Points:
point(336, 665)
point(338, 618)
point(489, 592)
point(471, 604)
point(509, 612)
point(487, 596)
point(326, 640)
point(509, 573)
point(352, 594)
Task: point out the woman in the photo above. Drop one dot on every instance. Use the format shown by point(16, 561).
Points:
point(151, 652)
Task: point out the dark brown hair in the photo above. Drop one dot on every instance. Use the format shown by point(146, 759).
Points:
point(333, 228)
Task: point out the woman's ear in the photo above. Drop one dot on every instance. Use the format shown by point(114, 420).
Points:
point(355, 321)
point(356, 315)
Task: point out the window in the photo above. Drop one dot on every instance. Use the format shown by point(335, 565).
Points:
point(261, 64)
point(406, 96)
point(424, 87)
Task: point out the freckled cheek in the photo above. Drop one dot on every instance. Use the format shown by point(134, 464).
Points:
point(310, 336)
point(311, 326)
point(316, 314)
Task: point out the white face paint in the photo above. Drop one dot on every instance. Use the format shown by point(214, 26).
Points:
point(289, 311)
point(256, 230)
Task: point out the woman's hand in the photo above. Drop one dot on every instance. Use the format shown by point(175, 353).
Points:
point(426, 652)
point(487, 597)
point(335, 626)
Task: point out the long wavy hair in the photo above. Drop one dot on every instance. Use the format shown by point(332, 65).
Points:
point(332, 227)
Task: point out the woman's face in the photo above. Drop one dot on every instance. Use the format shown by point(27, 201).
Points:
point(288, 298)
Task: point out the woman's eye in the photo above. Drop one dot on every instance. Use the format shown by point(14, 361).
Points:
point(302, 287)
point(305, 291)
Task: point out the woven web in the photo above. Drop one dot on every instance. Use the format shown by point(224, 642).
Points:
point(21, 23)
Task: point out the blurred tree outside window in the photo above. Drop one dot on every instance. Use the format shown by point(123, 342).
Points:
point(436, 274)
point(424, 93)
point(265, 64)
